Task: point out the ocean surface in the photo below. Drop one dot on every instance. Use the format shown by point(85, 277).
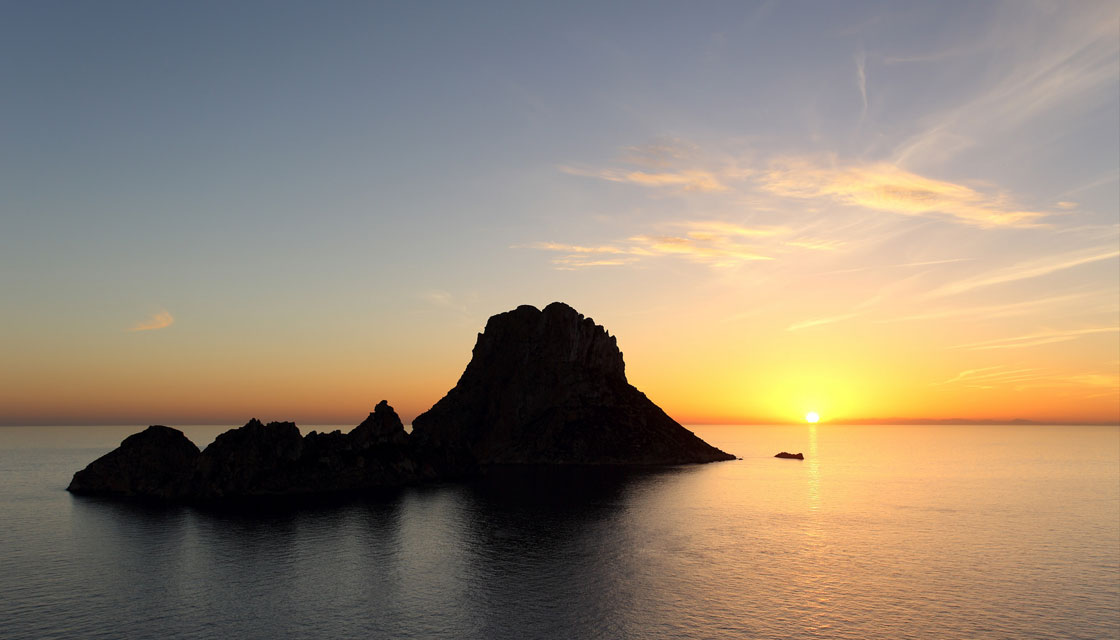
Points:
point(881, 532)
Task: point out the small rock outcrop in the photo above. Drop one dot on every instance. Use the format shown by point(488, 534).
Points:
point(791, 456)
point(158, 462)
point(383, 426)
point(549, 387)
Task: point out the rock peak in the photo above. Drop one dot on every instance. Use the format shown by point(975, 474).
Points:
point(383, 426)
point(555, 339)
point(546, 387)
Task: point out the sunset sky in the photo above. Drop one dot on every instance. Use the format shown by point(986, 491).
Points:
point(214, 211)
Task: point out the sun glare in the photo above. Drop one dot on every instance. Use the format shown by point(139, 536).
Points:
point(812, 417)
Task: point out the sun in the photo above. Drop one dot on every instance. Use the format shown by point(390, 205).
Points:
point(812, 417)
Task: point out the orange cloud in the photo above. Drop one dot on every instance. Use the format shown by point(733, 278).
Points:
point(685, 179)
point(160, 320)
point(886, 187)
point(713, 249)
point(575, 248)
point(720, 244)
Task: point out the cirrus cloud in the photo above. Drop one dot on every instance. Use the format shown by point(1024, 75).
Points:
point(159, 320)
point(715, 243)
point(886, 187)
point(684, 179)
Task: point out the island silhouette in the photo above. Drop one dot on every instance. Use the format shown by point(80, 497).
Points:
point(543, 387)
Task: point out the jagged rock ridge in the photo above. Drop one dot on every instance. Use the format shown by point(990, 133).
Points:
point(257, 460)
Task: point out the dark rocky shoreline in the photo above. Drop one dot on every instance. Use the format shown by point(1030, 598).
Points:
point(543, 387)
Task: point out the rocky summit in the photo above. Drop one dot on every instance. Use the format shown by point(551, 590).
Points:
point(542, 388)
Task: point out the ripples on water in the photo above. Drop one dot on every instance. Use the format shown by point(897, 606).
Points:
point(882, 532)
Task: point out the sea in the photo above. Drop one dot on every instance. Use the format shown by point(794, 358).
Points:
point(880, 532)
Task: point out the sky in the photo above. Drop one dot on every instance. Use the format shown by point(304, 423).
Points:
point(213, 211)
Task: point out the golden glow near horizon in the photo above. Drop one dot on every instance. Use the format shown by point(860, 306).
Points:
point(922, 225)
point(812, 417)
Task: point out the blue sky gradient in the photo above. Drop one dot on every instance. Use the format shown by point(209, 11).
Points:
point(779, 207)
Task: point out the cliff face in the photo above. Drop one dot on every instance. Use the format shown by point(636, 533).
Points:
point(549, 387)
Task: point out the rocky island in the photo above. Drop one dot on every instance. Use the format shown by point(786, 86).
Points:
point(543, 387)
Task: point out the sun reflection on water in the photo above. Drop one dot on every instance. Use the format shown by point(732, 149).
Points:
point(814, 471)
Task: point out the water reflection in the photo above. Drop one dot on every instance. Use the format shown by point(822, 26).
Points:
point(743, 549)
point(548, 550)
point(814, 470)
point(518, 553)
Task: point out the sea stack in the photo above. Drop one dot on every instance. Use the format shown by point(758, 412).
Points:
point(549, 387)
point(543, 388)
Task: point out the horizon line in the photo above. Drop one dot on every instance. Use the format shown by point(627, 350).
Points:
point(700, 423)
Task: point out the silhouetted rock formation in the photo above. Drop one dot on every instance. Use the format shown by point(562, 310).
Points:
point(543, 387)
point(549, 387)
point(254, 459)
point(791, 456)
point(383, 426)
point(158, 462)
point(257, 460)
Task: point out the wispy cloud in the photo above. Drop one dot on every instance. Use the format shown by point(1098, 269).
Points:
point(1093, 184)
point(1026, 270)
point(797, 326)
point(902, 265)
point(1035, 339)
point(447, 302)
point(683, 179)
point(1084, 384)
point(575, 248)
point(160, 320)
point(885, 187)
point(569, 263)
point(1012, 309)
point(716, 229)
point(660, 154)
point(1072, 61)
point(581, 257)
point(718, 250)
point(716, 243)
point(984, 373)
point(818, 245)
point(876, 186)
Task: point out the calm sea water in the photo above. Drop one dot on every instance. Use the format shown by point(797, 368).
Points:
point(882, 532)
